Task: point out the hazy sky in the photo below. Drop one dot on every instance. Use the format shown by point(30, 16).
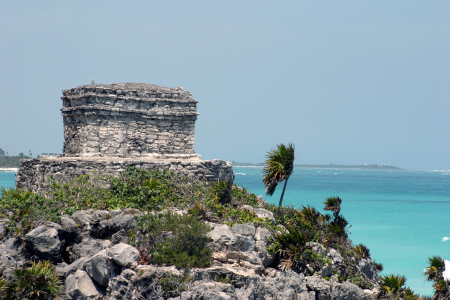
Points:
point(348, 82)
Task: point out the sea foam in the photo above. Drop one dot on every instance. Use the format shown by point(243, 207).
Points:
point(444, 239)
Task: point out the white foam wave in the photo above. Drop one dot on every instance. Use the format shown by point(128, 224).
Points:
point(444, 239)
point(447, 270)
point(240, 174)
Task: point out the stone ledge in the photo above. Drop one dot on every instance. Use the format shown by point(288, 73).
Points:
point(105, 110)
point(37, 174)
point(174, 98)
point(140, 157)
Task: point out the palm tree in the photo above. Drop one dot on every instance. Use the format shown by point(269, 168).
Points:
point(333, 204)
point(279, 166)
point(435, 270)
point(392, 286)
point(441, 289)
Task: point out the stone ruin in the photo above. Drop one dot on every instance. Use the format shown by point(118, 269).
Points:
point(109, 127)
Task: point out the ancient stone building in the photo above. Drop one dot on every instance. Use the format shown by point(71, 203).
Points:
point(128, 120)
point(108, 127)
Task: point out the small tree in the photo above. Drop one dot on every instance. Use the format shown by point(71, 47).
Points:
point(279, 166)
point(435, 273)
point(333, 204)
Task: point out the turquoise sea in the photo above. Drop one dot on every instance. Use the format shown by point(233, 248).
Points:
point(400, 215)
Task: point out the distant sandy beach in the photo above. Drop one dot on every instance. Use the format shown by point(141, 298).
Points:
point(8, 169)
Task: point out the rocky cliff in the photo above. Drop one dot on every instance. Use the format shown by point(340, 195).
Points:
point(94, 261)
point(177, 238)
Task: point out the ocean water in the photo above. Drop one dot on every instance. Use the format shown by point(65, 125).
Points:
point(7, 179)
point(400, 215)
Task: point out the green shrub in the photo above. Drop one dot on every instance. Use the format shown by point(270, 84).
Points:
point(155, 190)
point(173, 285)
point(179, 240)
point(82, 192)
point(378, 266)
point(23, 209)
point(360, 281)
point(223, 278)
point(221, 192)
point(39, 281)
point(362, 251)
point(392, 286)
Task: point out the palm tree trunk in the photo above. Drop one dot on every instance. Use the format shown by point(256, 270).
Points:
point(282, 193)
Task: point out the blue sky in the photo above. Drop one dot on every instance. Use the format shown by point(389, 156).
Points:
point(348, 82)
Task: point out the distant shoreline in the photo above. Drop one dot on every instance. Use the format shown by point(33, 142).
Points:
point(330, 166)
point(8, 169)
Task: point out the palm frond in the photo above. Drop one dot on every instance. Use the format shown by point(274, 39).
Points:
point(279, 166)
point(333, 204)
point(435, 269)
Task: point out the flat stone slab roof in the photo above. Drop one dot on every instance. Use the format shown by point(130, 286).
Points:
point(132, 86)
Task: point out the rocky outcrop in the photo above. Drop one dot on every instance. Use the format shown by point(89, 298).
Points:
point(91, 266)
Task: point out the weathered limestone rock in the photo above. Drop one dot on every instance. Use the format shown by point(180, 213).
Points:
point(245, 236)
point(321, 287)
point(71, 229)
point(120, 237)
point(367, 268)
point(46, 242)
point(242, 245)
point(101, 268)
point(110, 226)
point(260, 212)
point(210, 290)
point(222, 237)
point(80, 286)
point(75, 266)
point(9, 260)
point(110, 127)
point(124, 255)
point(348, 291)
point(87, 247)
point(2, 230)
point(119, 286)
point(88, 221)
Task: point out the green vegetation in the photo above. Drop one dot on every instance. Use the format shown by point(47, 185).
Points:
point(298, 247)
point(435, 272)
point(393, 287)
point(362, 251)
point(7, 161)
point(39, 281)
point(173, 285)
point(300, 236)
point(179, 240)
point(279, 166)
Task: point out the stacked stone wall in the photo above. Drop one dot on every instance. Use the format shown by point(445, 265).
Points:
point(127, 136)
point(37, 174)
point(128, 120)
